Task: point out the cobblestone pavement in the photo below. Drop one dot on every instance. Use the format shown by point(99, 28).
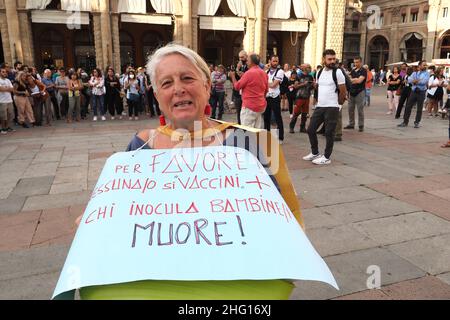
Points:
point(384, 202)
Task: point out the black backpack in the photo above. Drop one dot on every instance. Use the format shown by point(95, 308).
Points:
point(348, 81)
point(284, 85)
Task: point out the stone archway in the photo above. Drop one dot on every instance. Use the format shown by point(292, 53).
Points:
point(445, 45)
point(412, 47)
point(378, 52)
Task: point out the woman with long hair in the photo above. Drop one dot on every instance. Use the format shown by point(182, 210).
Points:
point(394, 81)
point(112, 97)
point(435, 91)
point(97, 84)
point(38, 96)
point(23, 104)
point(75, 86)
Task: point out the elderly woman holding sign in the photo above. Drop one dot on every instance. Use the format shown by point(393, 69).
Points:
point(182, 83)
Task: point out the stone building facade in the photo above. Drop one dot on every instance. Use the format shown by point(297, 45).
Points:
point(392, 31)
point(97, 33)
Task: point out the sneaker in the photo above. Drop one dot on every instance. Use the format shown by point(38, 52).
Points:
point(136, 118)
point(321, 160)
point(95, 118)
point(281, 142)
point(9, 129)
point(26, 126)
point(349, 127)
point(103, 118)
point(361, 129)
point(311, 157)
point(112, 118)
point(3, 131)
point(130, 118)
point(120, 117)
point(389, 112)
point(402, 125)
point(291, 131)
point(416, 125)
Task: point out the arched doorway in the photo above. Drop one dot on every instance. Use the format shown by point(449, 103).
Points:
point(445, 46)
point(213, 47)
point(51, 49)
point(84, 50)
point(411, 47)
point(379, 52)
point(150, 42)
point(127, 52)
point(274, 45)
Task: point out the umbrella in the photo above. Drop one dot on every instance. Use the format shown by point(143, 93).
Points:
point(394, 63)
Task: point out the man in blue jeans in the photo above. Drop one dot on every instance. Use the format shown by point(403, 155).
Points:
point(419, 82)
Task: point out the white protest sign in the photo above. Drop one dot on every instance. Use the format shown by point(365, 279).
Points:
point(188, 214)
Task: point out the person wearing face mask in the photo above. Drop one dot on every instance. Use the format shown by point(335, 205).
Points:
point(133, 96)
point(97, 84)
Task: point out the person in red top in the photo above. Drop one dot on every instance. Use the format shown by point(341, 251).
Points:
point(254, 85)
point(369, 85)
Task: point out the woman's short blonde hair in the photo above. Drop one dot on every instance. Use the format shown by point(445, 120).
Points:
point(172, 48)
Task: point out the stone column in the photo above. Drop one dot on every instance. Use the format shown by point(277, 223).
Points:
point(335, 26)
point(259, 25)
point(433, 17)
point(15, 41)
point(106, 33)
point(195, 22)
point(309, 54)
point(394, 51)
point(362, 42)
point(178, 29)
point(26, 36)
point(98, 41)
point(249, 38)
point(5, 39)
point(187, 23)
point(321, 28)
point(116, 42)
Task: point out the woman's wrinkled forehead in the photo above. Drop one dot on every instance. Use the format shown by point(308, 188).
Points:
point(185, 66)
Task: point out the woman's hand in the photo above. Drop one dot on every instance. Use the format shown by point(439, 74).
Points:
point(78, 220)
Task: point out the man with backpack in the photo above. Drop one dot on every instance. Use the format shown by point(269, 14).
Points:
point(331, 94)
point(273, 97)
point(357, 95)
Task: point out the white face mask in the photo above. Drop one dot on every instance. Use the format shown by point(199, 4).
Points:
point(131, 76)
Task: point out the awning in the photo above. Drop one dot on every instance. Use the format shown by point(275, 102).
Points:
point(281, 9)
point(222, 23)
point(148, 18)
point(297, 25)
point(132, 6)
point(59, 17)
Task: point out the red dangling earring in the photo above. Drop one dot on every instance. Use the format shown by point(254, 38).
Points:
point(208, 110)
point(162, 120)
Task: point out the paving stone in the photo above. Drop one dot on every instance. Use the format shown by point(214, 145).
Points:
point(372, 294)
point(68, 187)
point(56, 200)
point(17, 230)
point(71, 175)
point(317, 218)
point(444, 194)
point(350, 272)
point(47, 156)
point(358, 176)
point(368, 209)
point(430, 254)
point(337, 240)
point(41, 170)
point(56, 226)
point(423, 288)
point(23, 154)
point(342, 195)
point(11, 205)
point(402, 228)
point(33, 186)
point(398, 188)
point(445, 277)
point(16, 264)
point(34, 287)
point(428, 202)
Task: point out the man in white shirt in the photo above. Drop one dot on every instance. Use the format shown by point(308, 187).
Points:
point(273, 97)
point(330, 83)
point(6, 102)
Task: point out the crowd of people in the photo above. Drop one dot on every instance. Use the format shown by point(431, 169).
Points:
point(259, 94)
point(30, 99)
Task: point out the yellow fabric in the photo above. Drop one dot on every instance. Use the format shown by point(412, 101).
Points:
point(205, 133)
point(191, 290)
